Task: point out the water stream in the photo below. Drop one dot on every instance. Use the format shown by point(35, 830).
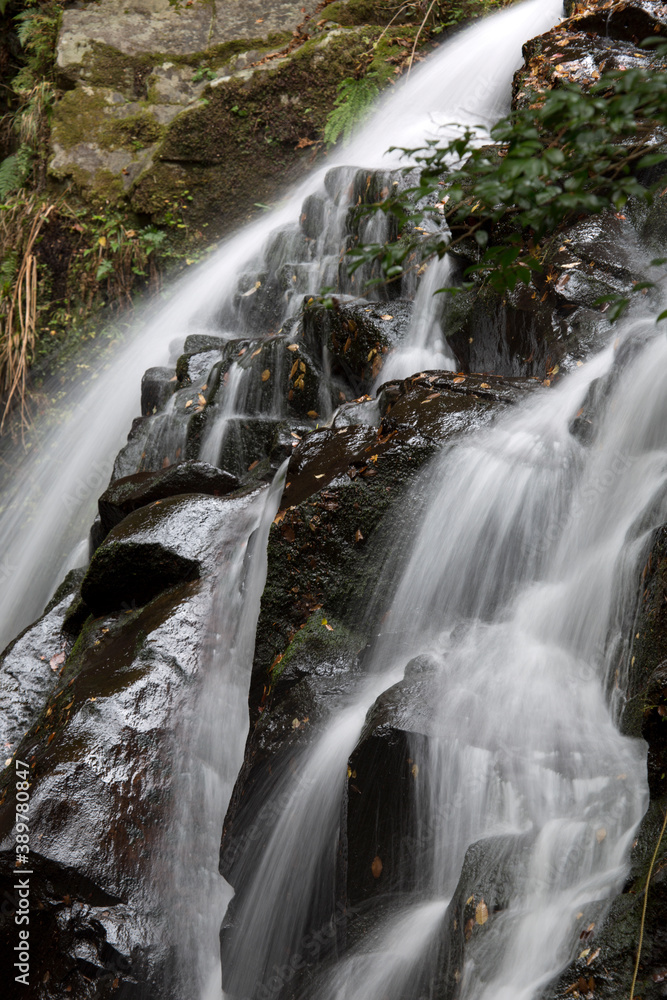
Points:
point(211, 752)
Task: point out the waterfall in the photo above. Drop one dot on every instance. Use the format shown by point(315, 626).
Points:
point(508, 608)
point(211, 754)
point(425, 345)
point(46, 514)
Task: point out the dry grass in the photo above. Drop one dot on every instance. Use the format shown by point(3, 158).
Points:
point(20, 226)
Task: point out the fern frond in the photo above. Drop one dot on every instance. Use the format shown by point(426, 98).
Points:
point(14, 170)
point(354, 101)
point(8, 268)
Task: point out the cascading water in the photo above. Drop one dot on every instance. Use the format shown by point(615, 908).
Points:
point(425, 345)
point(509, 608)
point(211, 753)
point(508, 605)
point(51, 504)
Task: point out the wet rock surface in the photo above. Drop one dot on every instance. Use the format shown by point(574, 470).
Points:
point(103, 754)
point(143, 488)
point(31, 664)
point(152, 549)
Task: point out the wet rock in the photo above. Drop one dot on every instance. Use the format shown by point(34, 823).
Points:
point(194, 366)
point(31, 665)
point(144, 488)
point(357, 334)
point(385, 842)
point(557, 319)
point(308, 679)
point(654, 730)
point(154, 548)
point(493, 871)
point(630, 20)
point(101, 767)
point(157, 387)
point(105, 754)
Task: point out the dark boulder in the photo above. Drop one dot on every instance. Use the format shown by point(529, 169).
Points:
point(154, 548)
point(143, 488)
point(157, 388)
point(31, 665)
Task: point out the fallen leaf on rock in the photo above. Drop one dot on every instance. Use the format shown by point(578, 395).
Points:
point(255, 353)
point(434, 395)
point(456, 381)
point(251, 291)
point(266, 375)
point(51, 737)
point(593, 956)
point(327, 625)
point(376, 867)
point(319, 475)
point(292, 347)
point(468, 929)
point(358, 537)
point(481, 912)
point(56, 661)
point(189, 403)
point(386, 316)
point(313, 414)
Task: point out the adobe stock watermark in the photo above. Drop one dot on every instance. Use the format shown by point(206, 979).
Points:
point(94, 483)
point(22, 883)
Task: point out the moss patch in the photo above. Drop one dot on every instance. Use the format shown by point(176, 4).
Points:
point(133, 132)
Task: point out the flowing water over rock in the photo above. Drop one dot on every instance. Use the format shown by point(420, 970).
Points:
point(436, 797)
point(47, 514)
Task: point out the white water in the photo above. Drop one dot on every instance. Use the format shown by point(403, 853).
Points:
point(425, 346)
point(530, 546)
point(52, 502)
point(395, 962)
point(299, 856)
point(212, 739)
